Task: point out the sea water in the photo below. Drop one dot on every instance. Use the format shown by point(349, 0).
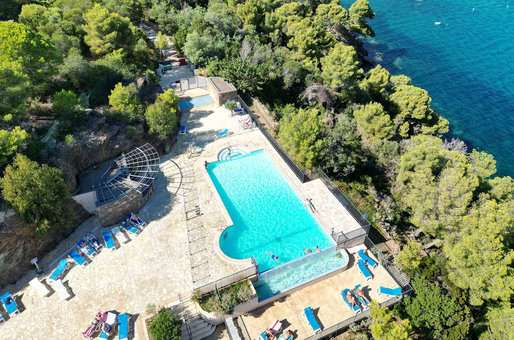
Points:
point(462, 52)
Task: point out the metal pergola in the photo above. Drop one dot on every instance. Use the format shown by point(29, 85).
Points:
point(132, 171)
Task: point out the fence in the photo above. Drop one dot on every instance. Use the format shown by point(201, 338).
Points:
point(228, 280)
point(385, 259)
point(190, 83)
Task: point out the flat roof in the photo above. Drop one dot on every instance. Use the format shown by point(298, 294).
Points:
point(222, 86)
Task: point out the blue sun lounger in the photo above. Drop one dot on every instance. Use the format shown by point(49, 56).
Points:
point(131, 228)
point(182, 129)
point(354, 308)
point(390, 291)
point(108, 240)
point(364, 270)
point(222, 133)
point(138, 221)
point(9, 304)
point(371, 262)
point(86, 248)
point(311, 319)
point(58, 272)
point(123, 326)
point(77, 258)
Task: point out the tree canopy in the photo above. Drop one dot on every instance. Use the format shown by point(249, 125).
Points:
point(162, 116)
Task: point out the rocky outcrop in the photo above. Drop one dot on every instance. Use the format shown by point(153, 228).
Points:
point(101, 140)
point(19, 242)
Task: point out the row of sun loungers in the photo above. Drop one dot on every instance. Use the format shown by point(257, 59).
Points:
point(132, 225)
point(104, 324)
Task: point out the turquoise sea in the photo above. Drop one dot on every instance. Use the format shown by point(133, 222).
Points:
point(462, 52)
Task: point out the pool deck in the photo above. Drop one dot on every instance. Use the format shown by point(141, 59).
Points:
point(323, 296)
point(160, 265)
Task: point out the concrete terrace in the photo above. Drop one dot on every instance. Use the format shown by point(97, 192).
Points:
point(324, 296)
point(178, 250)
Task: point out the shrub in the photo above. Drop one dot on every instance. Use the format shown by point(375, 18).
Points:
point(165, 325)
point(225, 300)
point(125, 102)
point(161, 116)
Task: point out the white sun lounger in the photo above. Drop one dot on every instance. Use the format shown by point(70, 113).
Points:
point(120, 235)
point(61, 290)
point(39, 287)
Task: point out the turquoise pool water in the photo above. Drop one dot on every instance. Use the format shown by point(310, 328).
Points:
point(269, 219)
point(462, 52)
point(186, 104)
point(295, 273)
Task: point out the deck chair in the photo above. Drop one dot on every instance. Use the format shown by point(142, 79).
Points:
point(131, 228)
point(39, 286)
point(60, 270)
point(354, 308)
point(311, 319)
point(120, 235)
point(61, 290)
point(123, 326)
point(362, 300)
point(108, 326)
point(93, 241)
point(86, 248)
point(364, 270)
point(390, 291)
point(138, 221)
point(78, 258)
point(222, 133)
point(108, 240)
point(370, 261)
point(10, 306)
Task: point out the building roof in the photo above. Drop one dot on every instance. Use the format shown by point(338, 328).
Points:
point(222, 86)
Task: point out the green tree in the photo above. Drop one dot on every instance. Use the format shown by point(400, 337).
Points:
point(341, 68)
point(376, 83)
point(107, 31)
point(245, 76)
point(125, 102)
point(66, 104)
point(500, 323)
point(132, 9)
point(301, 134)
point(161, 41)
point(482, 163)
point(162, 116)
point(342, 152)
point(414, 113)
point(480, 260)
point(384, 326)
point(201, 47)
point(10, 143)
point(359, 12)
point(373, 123)
point(15, 87)
point(435, 185)
point(410, 257)
point(440, 315)
point(37, 192)
point(165, 325)
point(27, 52)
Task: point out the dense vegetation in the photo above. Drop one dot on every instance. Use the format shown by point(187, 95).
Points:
point(165, 325)
point(223, 301)
point(58, 60)
point(374, 133)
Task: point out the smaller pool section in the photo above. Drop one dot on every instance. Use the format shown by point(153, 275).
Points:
point(230, 153)
point(300, 271)
point(186, 104)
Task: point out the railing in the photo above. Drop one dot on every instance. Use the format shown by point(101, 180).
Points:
point(227, 280)
point(190, 83)
point(326, 332)
point(343, 199)
point(300, 173)
point(385, 259)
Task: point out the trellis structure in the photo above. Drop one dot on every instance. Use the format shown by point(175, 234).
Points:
point(132, 171)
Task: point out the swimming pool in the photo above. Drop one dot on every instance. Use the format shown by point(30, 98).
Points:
point(269, 220)
point(186, 104)
point(300, 271)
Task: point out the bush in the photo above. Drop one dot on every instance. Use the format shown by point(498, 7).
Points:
point(125, 102)
point(165, 325)
point(226, 299)
point(37, 192)
point(161, 116)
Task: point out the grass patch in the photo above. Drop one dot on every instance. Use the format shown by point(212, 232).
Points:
point(224, 301)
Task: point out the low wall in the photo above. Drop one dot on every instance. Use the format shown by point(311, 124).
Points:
point(112, 212)
point(87, 201)
point(244, 274)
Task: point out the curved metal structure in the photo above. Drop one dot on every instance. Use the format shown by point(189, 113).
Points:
point(132, 171)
